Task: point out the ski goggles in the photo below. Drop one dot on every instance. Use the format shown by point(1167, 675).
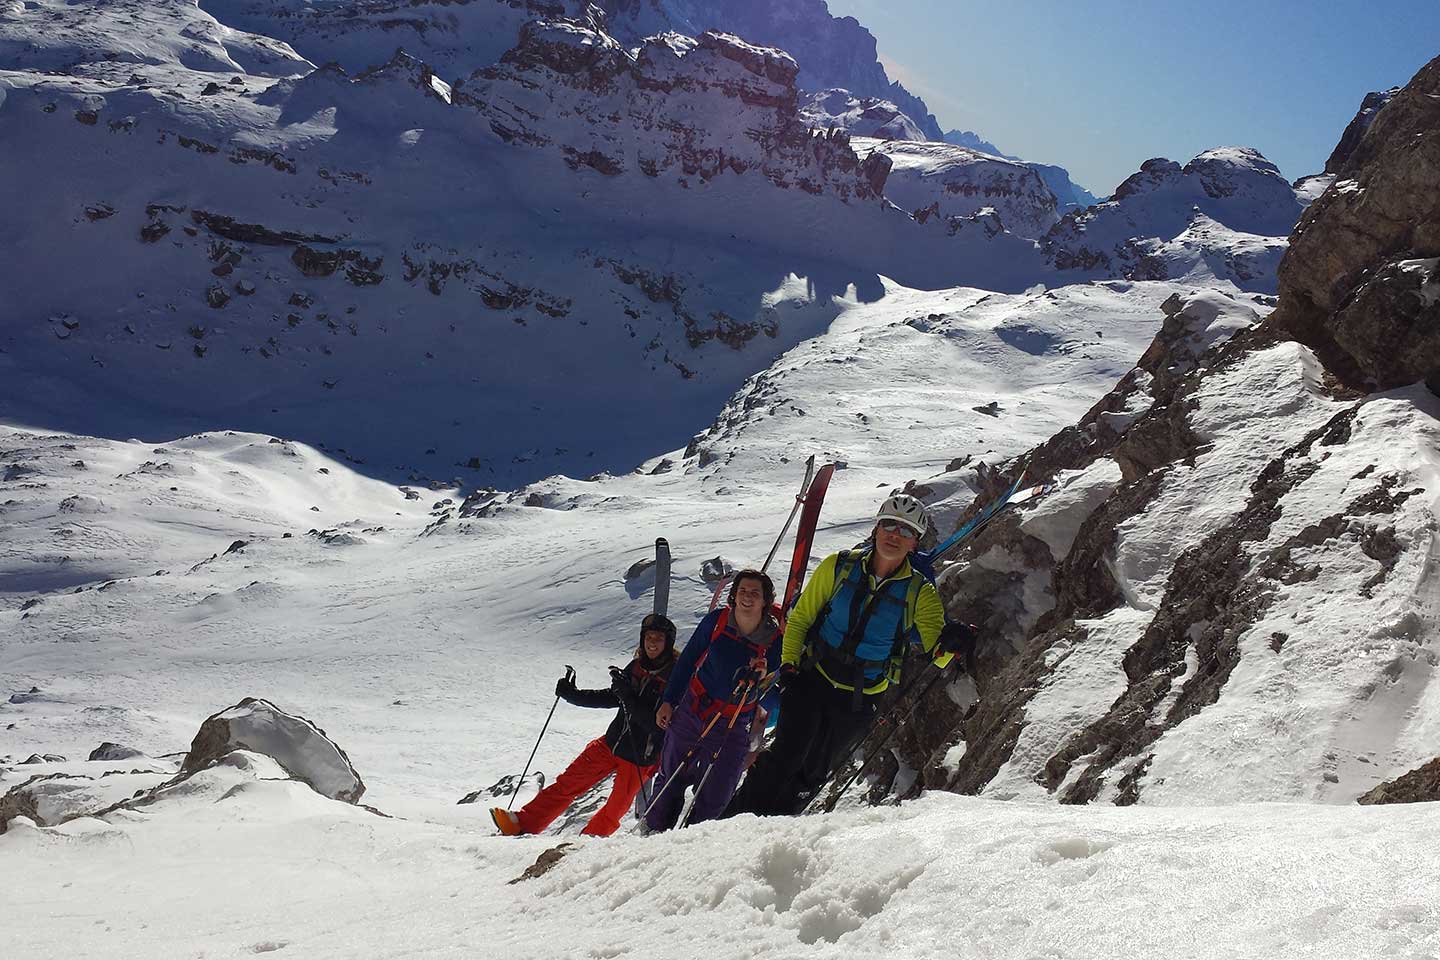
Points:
point(895, 526)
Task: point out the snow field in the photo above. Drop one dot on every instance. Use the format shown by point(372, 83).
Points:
point(431, 657)
point(259, 866)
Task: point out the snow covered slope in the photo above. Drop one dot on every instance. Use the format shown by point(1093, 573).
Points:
point(299, 875)
point(456, 37)
point(268, 251)
point(464, 610)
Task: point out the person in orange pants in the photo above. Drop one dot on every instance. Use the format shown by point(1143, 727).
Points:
point(630, 748)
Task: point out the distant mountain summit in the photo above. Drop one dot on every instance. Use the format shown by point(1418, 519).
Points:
point(1225, 213)
point(859, 116)
point(973, 140)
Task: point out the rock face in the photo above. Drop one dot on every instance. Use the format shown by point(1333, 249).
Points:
point(830, 51)
point(1225, 213)
point(1224, 541)
point(295, 743)
point(1359, 284)
point(678, 107)
point(1421, 785)
point(1230, 594)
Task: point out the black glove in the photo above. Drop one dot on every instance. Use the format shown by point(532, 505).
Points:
point(620, 686)
point(959, 639)
point(565, 687)
point(785, 676)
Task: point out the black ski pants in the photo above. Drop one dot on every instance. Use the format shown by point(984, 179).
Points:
point(818, 725)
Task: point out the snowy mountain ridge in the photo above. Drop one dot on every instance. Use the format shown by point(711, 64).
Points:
point(1226, 214)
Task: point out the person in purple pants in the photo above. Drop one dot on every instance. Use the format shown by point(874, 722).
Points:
point(739, 640)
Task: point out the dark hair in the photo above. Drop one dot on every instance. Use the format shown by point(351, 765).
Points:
point(765, 584)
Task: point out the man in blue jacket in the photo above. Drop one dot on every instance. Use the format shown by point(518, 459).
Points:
point(707, 708)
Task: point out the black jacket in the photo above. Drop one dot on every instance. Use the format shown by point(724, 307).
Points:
point(632, 735)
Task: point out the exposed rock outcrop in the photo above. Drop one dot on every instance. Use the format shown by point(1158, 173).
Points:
point(295, 743)
point(1359, 284)
point(1353, 134)
point(1421, 785)
point(571, 88)
point(1232, 586)
point(830, 51)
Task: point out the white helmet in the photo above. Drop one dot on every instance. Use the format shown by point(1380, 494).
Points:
point(907, 510)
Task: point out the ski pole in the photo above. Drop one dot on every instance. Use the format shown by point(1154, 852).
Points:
point(685, 760)
point(569, 675)
point(751, 685)
point(834, 799)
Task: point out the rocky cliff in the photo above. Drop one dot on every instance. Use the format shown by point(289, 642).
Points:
point(830, 51)
point(678, 107)
point(1240, 560)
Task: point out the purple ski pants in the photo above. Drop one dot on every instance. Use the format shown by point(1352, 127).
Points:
point(683, 734)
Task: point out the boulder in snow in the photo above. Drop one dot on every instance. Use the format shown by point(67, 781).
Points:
point(295, 743)
point(113, 751)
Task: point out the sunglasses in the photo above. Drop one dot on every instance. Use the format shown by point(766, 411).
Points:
point(895, 526)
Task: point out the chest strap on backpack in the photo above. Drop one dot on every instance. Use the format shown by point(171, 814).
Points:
point(705, 705)
point(840, 661)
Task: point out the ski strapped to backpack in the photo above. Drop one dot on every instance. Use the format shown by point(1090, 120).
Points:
point(805, 536)
point(662, 576)
point(800, 499)
point(1013, 496)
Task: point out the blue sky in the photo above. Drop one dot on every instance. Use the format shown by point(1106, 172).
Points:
point(1099, 86)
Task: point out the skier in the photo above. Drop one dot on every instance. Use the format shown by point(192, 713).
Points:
point(628, 749)
point(843, 645)
point(707, 728)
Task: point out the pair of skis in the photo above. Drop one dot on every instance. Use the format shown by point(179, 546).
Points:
point(807, 505)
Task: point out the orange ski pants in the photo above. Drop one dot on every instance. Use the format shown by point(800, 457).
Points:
point(595, 763)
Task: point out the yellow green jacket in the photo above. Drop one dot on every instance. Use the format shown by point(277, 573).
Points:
point(924, 615)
